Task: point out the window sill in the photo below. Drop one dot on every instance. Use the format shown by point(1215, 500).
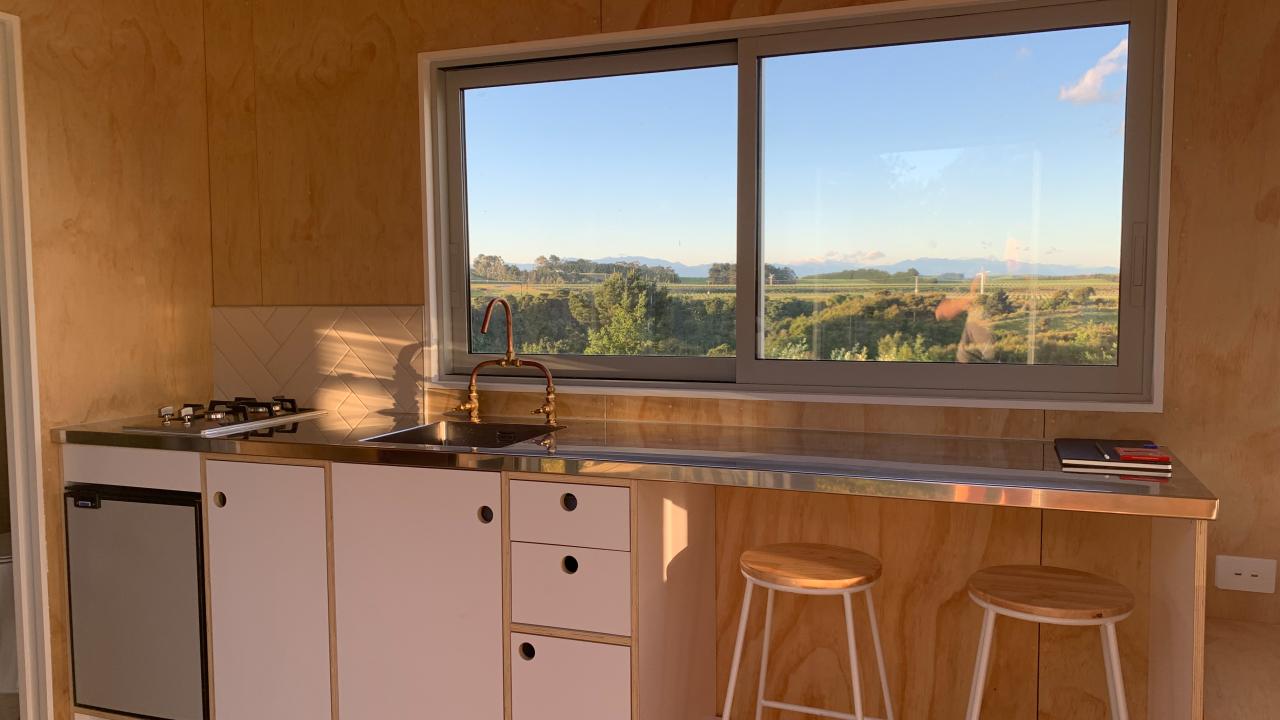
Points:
point(764, 393)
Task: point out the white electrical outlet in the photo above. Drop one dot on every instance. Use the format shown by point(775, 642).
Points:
point(1245, 573)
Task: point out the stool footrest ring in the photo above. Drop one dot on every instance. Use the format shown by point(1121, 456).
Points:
point(820, 712)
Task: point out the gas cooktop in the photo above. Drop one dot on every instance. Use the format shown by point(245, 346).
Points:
point(229, 417)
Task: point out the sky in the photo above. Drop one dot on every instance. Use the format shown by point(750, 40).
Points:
point(1006, 147)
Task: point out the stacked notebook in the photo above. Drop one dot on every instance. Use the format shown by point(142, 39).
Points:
point(1130, 458)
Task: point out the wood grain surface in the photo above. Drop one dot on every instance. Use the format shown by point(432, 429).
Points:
point(1051, 592)
point(928, 623)
point(118, 177)
point(314, 140)
point(810, 566)
point(1241, 665)
point(1073, 680)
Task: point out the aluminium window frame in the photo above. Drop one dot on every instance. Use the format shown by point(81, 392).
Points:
point(459, 357)
point(1130, 377)
point(1133, 381)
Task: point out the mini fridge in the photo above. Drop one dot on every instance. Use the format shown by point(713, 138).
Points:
point(135, 564)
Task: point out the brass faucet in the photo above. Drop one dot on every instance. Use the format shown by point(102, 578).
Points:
point(509, 359)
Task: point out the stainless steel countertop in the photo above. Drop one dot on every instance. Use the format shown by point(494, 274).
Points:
point(1013, 473)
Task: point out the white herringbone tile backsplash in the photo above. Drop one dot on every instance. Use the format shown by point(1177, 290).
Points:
point(351, 361)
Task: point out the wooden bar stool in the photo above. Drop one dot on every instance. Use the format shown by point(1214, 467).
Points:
point(1056, 596)
point(809, 569)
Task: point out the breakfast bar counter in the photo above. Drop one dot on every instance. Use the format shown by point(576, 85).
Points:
point(1014, 473)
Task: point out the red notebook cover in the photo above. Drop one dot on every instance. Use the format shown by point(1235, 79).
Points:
point(1138, 454)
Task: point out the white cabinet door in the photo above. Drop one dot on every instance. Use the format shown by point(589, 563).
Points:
point(269, 591)
point(418, 580)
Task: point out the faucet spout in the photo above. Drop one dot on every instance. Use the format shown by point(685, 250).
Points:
point(488, 315)
point(509, 359)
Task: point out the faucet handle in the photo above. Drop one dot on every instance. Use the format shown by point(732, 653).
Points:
point(471, 406)
point(549, 409)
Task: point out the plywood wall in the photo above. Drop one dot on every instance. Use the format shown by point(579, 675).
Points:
point(119, 220)
point(314, 138)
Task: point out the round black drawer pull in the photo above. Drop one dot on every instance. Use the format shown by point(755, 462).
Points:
point(569, 564)
point(220, 499)
point(526, 651)
point(569, 502)
point(485, 513)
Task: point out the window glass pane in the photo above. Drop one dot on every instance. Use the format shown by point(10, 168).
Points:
point(954, 201)
point(603, 209)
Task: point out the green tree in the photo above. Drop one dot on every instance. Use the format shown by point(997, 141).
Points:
point(997, 303)
point(900, 348)
point(779, 275)
point(858, 353)
point(493, 267)
point(633, 315)
point(722, 274)
point(1083, 295)
point(1060, 300)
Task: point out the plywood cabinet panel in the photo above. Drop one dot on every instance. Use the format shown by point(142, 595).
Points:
point(1072, 677)
point(131, 467)
point(313, 105)
point(558, 679)
point(418, 592)
point(572, 588)
point(589, 516)
point(268, 590)
point(676, 601)
point(231, 81)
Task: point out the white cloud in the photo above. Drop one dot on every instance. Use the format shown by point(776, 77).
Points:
point(1088, 89)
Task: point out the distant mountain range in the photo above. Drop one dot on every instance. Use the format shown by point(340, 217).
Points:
point(925, 265)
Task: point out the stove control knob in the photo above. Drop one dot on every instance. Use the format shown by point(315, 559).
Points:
point(166, 414)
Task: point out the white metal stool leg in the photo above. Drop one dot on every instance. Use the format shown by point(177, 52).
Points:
point(853, 657)
point(875, 639)
point(1115, 677)
point(737, 651)
point(980, 667)
point(856, 680)
point(764, 653)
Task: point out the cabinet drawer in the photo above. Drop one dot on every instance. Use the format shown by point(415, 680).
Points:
point(592, 516)
point(556, 679)
point(571, 588)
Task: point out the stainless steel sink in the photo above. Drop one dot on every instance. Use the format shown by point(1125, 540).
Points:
point(458, 434)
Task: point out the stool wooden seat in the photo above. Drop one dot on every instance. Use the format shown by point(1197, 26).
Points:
point(1051, 592)
point(809, 569)
point(810, 566)
point(1056, 596)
